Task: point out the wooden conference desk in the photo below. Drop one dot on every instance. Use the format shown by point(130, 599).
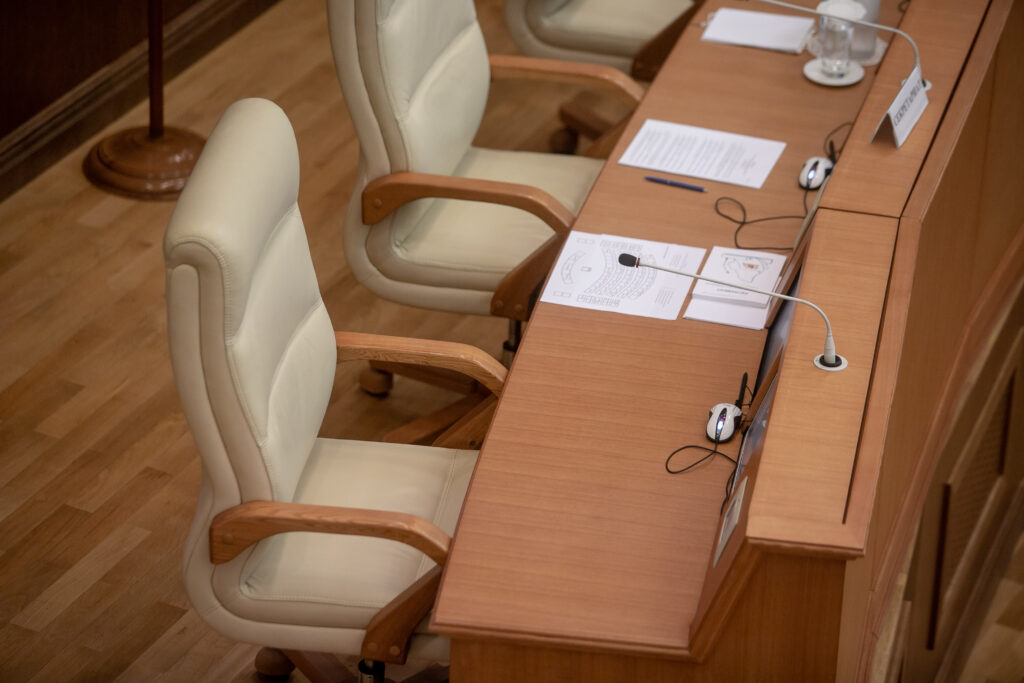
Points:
point(578, 558)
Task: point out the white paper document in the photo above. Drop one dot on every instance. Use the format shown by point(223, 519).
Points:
point(759, 29)
point(703, 153)
point(588, 275)
point(730, 306)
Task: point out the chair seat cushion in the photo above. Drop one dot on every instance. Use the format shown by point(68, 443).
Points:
point(606, 26)
point(472, 245)
point(342, 581)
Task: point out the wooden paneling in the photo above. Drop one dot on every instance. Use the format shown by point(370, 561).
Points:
point(957, 261)
point(48, 47)
point(81, 65)
point(973, 510)
point(974, 499)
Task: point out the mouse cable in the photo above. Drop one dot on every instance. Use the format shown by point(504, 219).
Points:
point(748, 392)
point(728, 487)
point(830, 149)
point(710, 452)
point(742, 221)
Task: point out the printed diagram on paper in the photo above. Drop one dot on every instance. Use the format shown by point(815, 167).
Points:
point(760, 269)
point(588, 275)
point(730, 306)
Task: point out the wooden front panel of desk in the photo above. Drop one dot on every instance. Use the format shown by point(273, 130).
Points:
point(772, 636)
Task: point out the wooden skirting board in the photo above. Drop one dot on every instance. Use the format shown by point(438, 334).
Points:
point(95, 102)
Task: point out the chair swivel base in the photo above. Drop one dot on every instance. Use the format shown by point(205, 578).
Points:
point(133, 164)
point(376, 382)
point(273, 663)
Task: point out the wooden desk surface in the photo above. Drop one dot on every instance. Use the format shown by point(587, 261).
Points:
point(572, 532)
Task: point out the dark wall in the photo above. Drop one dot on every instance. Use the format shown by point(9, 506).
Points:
point(70, 67)
point(47, 47)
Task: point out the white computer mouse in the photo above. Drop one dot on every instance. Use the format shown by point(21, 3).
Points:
point(723, 421)
point(814, 172)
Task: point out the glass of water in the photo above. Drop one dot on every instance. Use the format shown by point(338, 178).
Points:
point(835, 37)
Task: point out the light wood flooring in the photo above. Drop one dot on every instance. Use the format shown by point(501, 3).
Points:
point(98, 473)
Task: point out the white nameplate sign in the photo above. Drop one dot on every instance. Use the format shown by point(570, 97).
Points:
point(906, 109)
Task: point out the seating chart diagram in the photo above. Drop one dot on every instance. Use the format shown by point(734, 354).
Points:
point(588, 275)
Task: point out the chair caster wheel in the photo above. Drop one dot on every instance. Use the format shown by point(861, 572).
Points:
point(376, 382)
point(564, 141)
point(273, 663)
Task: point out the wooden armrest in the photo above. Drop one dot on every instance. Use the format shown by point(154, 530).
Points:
point(385, 194)
point(237, 528)
point(387, 634)
point(462, 358)
point(609, 79)
point(516, 293)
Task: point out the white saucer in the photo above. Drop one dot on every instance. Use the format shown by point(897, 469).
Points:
point(812, 70)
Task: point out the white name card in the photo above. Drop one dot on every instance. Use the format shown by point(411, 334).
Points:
point(906, 109)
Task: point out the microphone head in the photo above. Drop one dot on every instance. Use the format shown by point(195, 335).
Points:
point(629, 260)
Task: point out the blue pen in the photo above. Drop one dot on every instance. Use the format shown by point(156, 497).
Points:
point(674, 183)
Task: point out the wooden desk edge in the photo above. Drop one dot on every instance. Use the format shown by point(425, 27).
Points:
point(456, 632)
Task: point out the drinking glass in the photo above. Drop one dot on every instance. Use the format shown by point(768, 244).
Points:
point(835, 37)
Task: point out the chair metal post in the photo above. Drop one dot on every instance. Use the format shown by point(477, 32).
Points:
point(372, 668)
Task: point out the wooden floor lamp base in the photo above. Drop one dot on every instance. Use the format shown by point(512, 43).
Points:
point(136, 165)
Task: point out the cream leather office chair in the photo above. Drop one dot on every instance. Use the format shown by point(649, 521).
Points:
point(634, 36)
point(415, 75)
point(599, 31)
point(254, 358)
point(606, 32)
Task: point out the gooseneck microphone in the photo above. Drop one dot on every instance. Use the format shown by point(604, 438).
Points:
point(828, 360)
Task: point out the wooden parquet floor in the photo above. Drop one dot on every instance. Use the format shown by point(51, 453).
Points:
point(98, 473)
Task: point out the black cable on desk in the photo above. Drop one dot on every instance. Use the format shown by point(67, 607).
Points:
point(742, 221)
point(710, 453)
point(830, 151)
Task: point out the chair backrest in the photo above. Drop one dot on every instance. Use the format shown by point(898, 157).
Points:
point(251, 342)
point(532, 25)
point(415, 77)
point(609, 32)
